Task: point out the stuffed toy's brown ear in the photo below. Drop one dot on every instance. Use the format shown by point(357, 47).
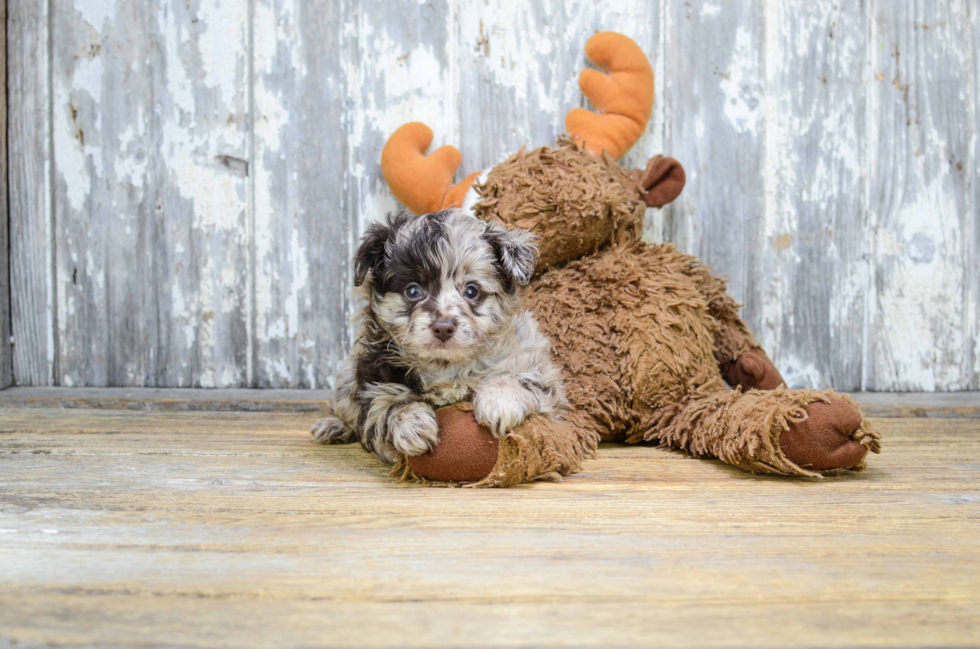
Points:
point(663, 181)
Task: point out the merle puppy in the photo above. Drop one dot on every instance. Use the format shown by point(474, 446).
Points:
point(442, 323)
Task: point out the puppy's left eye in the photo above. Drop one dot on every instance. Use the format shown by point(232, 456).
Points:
point(471, 292)
point(413, 291)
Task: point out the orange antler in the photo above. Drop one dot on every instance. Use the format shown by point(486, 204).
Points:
point(624, 97)
point(423, 183)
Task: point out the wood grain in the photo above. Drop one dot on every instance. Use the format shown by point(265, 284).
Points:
point(715, 115)
point(6, 350)
point(29, 183)
point(150, 126)
point(973, 263)
point(231, 529)
point(301, 239)
point(973, 268)
point(921, 103)
point(812, 264)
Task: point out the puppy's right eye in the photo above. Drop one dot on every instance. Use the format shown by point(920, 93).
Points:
point(413, 291)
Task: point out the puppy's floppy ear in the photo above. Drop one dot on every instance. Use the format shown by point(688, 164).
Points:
point(370, 255)
point(516, 251)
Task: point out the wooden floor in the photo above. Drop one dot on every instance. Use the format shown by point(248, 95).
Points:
point(168, 518)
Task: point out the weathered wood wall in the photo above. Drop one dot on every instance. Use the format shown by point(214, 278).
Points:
point(6, 351)
point(188, 179)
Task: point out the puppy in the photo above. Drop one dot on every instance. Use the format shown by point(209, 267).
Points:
point(442, 323)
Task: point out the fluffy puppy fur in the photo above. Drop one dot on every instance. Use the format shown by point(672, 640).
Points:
point(442, 323)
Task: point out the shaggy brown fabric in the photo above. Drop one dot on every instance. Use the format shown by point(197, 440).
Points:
point(733, 339)
point(541, 448)
point(632, 330)
point(639, 331)
point(574, 201)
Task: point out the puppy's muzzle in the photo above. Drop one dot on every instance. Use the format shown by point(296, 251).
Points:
point(443, 329)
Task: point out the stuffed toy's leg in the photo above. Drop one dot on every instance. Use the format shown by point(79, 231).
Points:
point(540, 448)
point(832, 435)
point(642, 332)
point(788, 432)
point(741, 359)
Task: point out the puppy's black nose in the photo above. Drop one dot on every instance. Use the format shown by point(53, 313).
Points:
point(444, 329)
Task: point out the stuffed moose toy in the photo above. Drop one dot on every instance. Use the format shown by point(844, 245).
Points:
point(646, 337)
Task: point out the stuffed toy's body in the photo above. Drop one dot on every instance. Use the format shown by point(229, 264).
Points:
point(645, 335)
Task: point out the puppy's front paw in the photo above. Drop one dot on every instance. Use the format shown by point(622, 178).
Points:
point(499, 408)
point(413, 429)
point(331, 430)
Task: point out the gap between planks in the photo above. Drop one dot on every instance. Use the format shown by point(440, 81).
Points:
point(875, 404)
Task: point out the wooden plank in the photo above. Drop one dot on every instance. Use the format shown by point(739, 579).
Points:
point(919, 404)
point(150, 155)
point(223, 400)
point(547, 622)
point(921, 124)
point(403, 68)
point(715, 125)
point(31, 253)
point(6, 350)
point(973, 266)
point(303, 226)
point(812, 268)
point(222, 529)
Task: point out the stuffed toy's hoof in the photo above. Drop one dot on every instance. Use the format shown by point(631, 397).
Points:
point(541, 448)
point(825, 441)
point(754, 371)
point(466, 451)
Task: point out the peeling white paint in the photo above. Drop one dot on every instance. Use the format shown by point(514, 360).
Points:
point(96, 12)
point(924, 300)
point(742, 101)
point(920, 326)
point(799, 374)
point(221, 30)
point(179, 85)
point(814, 281)
point(71, 162)
point(72, 155)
